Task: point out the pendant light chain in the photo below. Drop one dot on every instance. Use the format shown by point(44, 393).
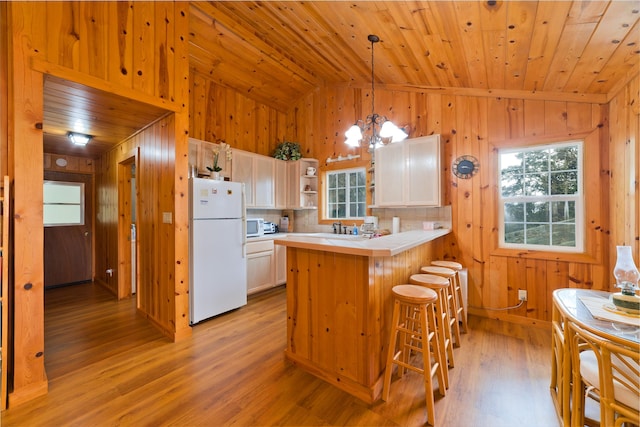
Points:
point(373, 40)
point(388, 132)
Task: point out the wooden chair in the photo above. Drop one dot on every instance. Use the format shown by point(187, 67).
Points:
point(414, 321)
point(560, 373)
point(452, 302)
point(457, 267)
point(609, 372)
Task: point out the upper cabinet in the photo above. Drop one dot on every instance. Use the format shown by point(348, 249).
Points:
point(408, 173)
point(258, 175)
point(281, 187)
point(269, 183)
point(303, 184)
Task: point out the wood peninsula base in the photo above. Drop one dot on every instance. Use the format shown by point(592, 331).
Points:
point(339, 305)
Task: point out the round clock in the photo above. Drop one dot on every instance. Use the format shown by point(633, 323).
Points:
point(465, 167)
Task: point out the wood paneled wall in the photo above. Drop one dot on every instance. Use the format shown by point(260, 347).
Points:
point(135, 49)
point(219, 113)
point(478, 126)
point(162, 291)
point(624, 158)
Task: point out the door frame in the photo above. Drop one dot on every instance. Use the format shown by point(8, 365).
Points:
point(89, 194)
point(125, 198)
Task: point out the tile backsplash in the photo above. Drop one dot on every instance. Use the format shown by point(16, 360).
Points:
point(306, 221)
point(412, 218)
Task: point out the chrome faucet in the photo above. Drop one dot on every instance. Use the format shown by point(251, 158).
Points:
point(337, 230)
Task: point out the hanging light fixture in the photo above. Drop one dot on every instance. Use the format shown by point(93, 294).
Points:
point(375, 130)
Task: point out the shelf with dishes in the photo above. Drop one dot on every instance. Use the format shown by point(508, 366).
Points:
point(303, 184)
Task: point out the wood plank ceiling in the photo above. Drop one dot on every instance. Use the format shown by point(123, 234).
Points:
point(108, 117)
point(278, 51)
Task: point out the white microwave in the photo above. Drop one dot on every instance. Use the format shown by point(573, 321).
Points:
point(255, 227)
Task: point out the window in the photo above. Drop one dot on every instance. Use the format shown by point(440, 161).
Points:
point(63, 203)
point(346, 194)
point(541, 197)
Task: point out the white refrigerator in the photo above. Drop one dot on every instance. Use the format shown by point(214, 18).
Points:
point(217, 254)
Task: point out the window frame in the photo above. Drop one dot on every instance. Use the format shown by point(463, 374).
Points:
point(327, 189)
point(578, 199)
point(80, 204)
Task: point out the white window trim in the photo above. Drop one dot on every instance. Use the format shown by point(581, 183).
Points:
point(577, 198)
point(80, 204)
point(326, 192)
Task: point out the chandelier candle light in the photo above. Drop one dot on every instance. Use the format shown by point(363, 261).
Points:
point(367, 129)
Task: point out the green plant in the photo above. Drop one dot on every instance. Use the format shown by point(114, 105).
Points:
point(288, 151)
point(215, 167)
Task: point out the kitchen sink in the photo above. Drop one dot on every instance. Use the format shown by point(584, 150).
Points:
point(336, 236)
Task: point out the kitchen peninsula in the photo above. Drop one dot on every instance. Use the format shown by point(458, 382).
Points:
point(339, 302)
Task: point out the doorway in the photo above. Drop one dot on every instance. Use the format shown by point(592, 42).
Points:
point(68, 230)
point(127, 241)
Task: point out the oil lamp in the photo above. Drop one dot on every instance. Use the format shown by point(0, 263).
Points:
point(627, 276)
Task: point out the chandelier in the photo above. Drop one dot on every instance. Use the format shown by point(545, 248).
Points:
point(375, 130)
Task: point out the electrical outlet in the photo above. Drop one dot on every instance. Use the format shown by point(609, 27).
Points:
point(522, 294)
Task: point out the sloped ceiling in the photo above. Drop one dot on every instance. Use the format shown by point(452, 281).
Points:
point(278, 51)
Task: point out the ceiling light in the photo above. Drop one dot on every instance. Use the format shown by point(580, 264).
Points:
point(79, 138)
point(366, 130)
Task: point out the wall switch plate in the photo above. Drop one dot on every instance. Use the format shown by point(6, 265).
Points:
point(522, 294)
point(166, 217)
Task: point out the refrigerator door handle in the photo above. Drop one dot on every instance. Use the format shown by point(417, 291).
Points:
point(244, 224)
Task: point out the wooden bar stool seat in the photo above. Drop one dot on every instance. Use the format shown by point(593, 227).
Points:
point(452, 301)
point(447, 264)
point(457, 267)
point(414, 320)
point(441, 286)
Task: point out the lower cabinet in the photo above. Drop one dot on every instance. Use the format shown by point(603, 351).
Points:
point(266, 265)
point(281, 264)
point(260, 261)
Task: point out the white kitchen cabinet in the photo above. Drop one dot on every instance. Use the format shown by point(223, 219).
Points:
point(260, 265)
point(280, 264)
point(408, 173)
point(242, 171)
point(264, 181)
point(280, 184)
point(303, 187)
point(257, 173)
point(389, 175)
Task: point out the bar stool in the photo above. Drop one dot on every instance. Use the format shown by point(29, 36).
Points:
point(440, 285)
point(414, 319)
point(457, 267)
point(448, 274)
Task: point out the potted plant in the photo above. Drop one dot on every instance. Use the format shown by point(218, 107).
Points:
point(215, 170)
point(288, 151)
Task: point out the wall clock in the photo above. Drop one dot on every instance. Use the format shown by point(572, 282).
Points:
point(465, 167)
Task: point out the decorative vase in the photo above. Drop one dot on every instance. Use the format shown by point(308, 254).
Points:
point(627, 276)
point(215, 176)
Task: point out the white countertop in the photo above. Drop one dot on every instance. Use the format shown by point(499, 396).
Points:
point(271, 236)
point(389, 245)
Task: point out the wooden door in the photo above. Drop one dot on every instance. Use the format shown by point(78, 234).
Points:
point(68, 248)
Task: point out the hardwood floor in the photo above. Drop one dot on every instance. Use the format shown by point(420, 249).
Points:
point(107, 366)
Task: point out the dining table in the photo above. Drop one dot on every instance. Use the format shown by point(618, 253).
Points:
point(593, 311)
